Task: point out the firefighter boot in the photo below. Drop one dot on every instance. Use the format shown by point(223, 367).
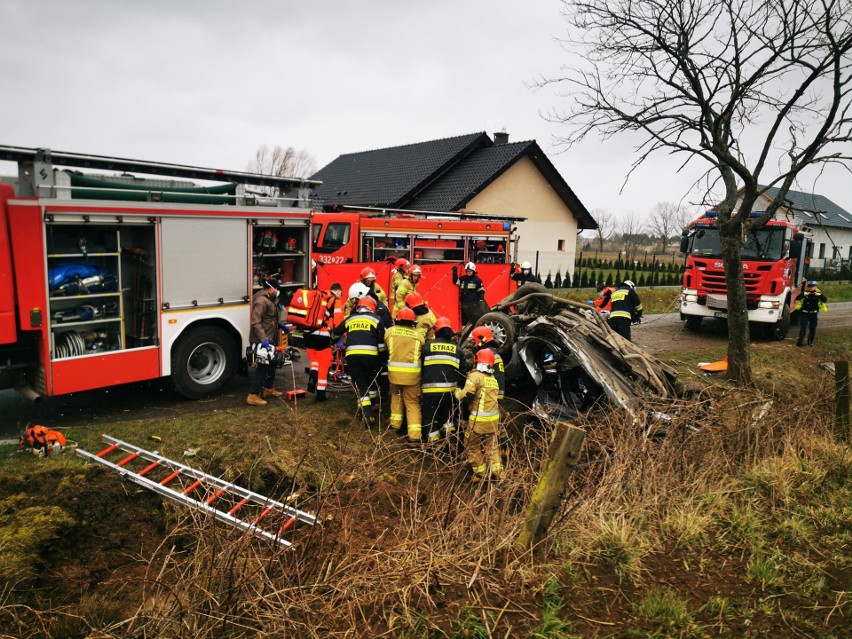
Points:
point(321, 396)
point(255, 400)
point(270, 392)
point(313, 376)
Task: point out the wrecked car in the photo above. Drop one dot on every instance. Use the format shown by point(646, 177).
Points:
point(572, 357)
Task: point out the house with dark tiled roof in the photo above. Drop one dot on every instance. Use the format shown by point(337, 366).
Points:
point(831, 225)
point(470, 173)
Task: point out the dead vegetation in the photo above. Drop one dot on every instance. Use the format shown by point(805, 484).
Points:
point(735, 523)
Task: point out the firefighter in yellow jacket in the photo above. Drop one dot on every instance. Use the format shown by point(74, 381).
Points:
point(406, 286)
point(481, 439)
point(405, 344)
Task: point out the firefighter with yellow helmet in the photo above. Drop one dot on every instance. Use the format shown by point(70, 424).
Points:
point(405, 344)
point(481, 436)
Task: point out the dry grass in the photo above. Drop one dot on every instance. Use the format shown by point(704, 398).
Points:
point(409, 548)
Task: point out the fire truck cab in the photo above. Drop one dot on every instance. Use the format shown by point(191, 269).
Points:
point(346, 241)
point(774, 260)
point(109, 280)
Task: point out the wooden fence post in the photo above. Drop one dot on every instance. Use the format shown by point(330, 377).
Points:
point(565, 444)
point(842, 422)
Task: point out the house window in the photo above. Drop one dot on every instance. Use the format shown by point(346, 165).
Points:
point(810, 249)
point(822, 250)
point(560, 245)
point(850, 252)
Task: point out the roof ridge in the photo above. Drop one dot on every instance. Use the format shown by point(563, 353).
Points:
point(411, 144)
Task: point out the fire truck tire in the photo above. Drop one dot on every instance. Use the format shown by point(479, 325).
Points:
point(778, 331)
point(203, 360)
point(693, 323)
point(503, 329)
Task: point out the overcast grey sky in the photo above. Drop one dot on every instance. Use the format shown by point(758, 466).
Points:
point(207, 83)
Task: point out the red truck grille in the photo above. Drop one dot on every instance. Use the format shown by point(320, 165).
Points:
point(713, 281)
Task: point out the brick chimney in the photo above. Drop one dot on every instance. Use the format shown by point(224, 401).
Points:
point(501, 137)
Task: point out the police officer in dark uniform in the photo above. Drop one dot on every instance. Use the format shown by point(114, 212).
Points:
point(443, 369)
point(471, 293)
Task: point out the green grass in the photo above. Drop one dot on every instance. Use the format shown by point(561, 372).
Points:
point(664, 300)
point(667, 612)
point(552, 626)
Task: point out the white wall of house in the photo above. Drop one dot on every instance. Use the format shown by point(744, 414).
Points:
point(550, 228)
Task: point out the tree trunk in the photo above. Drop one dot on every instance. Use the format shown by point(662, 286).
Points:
point(739, 362)
point(565, 444)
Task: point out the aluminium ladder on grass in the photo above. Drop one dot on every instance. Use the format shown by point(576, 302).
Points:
point(239, 507)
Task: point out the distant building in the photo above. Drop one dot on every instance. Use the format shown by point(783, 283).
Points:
point(468, 173)
point(831, 225)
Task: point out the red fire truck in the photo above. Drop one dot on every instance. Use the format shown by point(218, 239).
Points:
point(105, 281)
point(774, 258)
point(346, 241)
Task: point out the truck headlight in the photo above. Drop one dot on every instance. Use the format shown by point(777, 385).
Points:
point(690, 298)
point(774, 305)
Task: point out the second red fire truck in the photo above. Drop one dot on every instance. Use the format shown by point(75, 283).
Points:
point(774, 261)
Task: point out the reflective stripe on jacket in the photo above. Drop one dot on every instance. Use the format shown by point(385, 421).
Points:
point(485, 408)
point(405, 287)
point(443, 366)
point(404, 346)
point(625, 303)
point(364, 332)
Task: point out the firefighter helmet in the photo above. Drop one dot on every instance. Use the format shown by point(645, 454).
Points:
point(406, 315)
point(415, 270)
point(629, 283)
point(413, 299)
point(526, 266)
point(470, 266)
point(443, 322)
point(485, 356)
point(368, 273)
point(481, 335)
point(367, 302)
point(401, 264)
point(358, 290)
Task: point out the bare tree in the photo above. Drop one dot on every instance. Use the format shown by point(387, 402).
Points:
point(666, 220)
point(606, 225)
point(282, 162)
point(631, 235)
point(710, 80)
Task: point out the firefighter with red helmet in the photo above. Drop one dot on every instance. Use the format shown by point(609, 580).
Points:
point(318, 343)
point(364, 332)
point(406, 286)
point(368, 280)
point(405, 344)
point(400, 272)
point(482, 337)
point(425, 317)
point(481, 435)
point(264, 332)
point(443, 368)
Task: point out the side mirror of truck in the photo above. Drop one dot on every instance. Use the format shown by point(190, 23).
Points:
point(684, 242)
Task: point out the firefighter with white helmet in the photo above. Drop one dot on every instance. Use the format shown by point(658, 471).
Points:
point(364, 332)
point(405, 343)
point(471, 293)
point(523, 274)
point(406, 286)
point(481, 436)
point(626, 308)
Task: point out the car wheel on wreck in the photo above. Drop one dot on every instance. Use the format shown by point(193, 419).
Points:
point(503, 329)
point(535, 305)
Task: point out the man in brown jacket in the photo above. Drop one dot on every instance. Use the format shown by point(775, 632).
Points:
point(264, 335)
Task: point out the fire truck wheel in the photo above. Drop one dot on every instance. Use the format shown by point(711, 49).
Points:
point(503, 329)
point(778, 331)
point(693, 323)
point(203, 361)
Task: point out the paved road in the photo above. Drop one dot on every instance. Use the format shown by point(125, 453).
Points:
point(100, 408)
